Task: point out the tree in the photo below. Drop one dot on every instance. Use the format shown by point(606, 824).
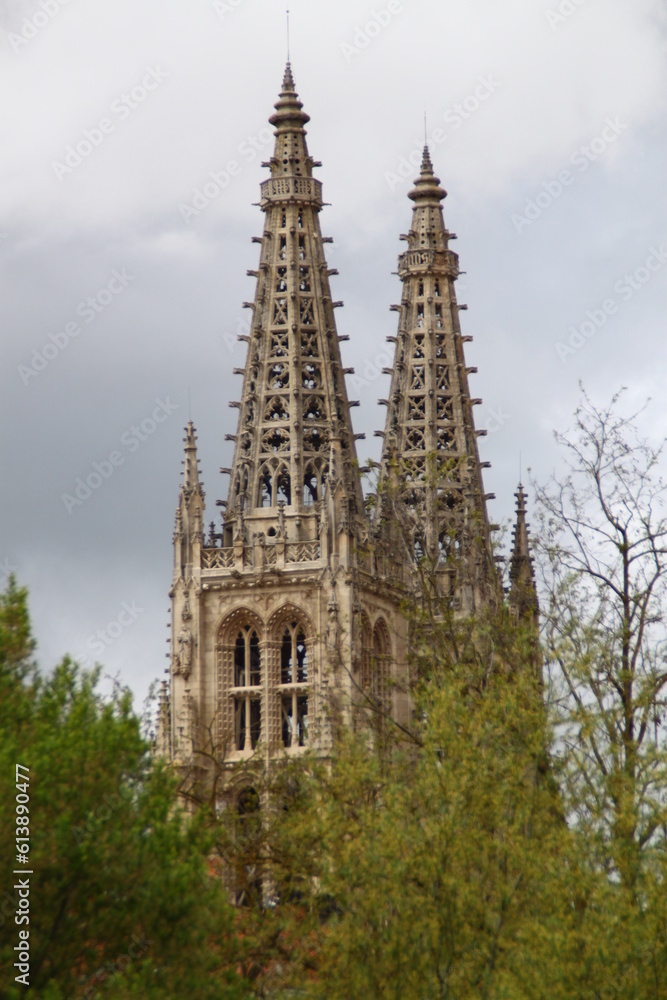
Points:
point(427, 864)
point(602, 548)
point(120, 898)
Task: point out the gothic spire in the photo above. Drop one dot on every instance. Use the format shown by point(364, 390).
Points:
point(430, 437)
point(191, 498)
point(523, 593)
point(191, 470)
point(294, 437)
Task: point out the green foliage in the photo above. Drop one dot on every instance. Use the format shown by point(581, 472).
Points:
point(119, 893)
point(442, 865)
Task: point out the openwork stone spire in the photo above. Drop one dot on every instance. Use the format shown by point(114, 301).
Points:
point(523, 592)
point(294, 433)
point(430, 442)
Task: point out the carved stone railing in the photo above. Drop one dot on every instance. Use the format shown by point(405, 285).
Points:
point(271, 555)
point(284, 188)
point(301, 552)
point(217, 558)
point(442, 260)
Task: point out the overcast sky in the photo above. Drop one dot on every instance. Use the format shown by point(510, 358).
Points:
point(122, 288)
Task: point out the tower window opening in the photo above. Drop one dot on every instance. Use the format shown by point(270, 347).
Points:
point(283, 248)
point(313, 409)
point(283, 488)
point(279, 343)
point(421, 289)
point(286, 658)
point(438, 317)
point(247, 659)
point(420, 316)
point(278, 376)
point(293, 656)
point(275, 440)
point(301, 659)
point(294, 720)
point(283, 220)
point(265, 489)
point(300, 220)
point(294, 671)
point(436, 290)
point(247, 676)
point(310, 375)
point(302, 247)
point(239, 661)
point(309, 488)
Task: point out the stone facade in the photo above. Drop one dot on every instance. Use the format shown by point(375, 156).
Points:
point(289, 615)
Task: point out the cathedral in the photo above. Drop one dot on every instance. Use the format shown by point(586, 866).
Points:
point(290, 611)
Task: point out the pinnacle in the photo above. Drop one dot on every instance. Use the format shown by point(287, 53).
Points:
point(427, 166)
point(521, 564)
point(289, 115)
point(191, 471)
point(288, 79)
point(427, 185)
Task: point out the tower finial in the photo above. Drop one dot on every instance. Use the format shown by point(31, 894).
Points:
point(427, 186)
point(287, 14)
point(191, 472)
point(523, 593)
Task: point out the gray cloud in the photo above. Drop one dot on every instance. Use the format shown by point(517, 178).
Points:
point(169, 332)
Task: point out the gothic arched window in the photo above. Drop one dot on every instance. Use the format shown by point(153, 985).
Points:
point(293, 689)
point(246, 688)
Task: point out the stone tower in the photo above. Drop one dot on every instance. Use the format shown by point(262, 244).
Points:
point(430, 461)
point(288, 617)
